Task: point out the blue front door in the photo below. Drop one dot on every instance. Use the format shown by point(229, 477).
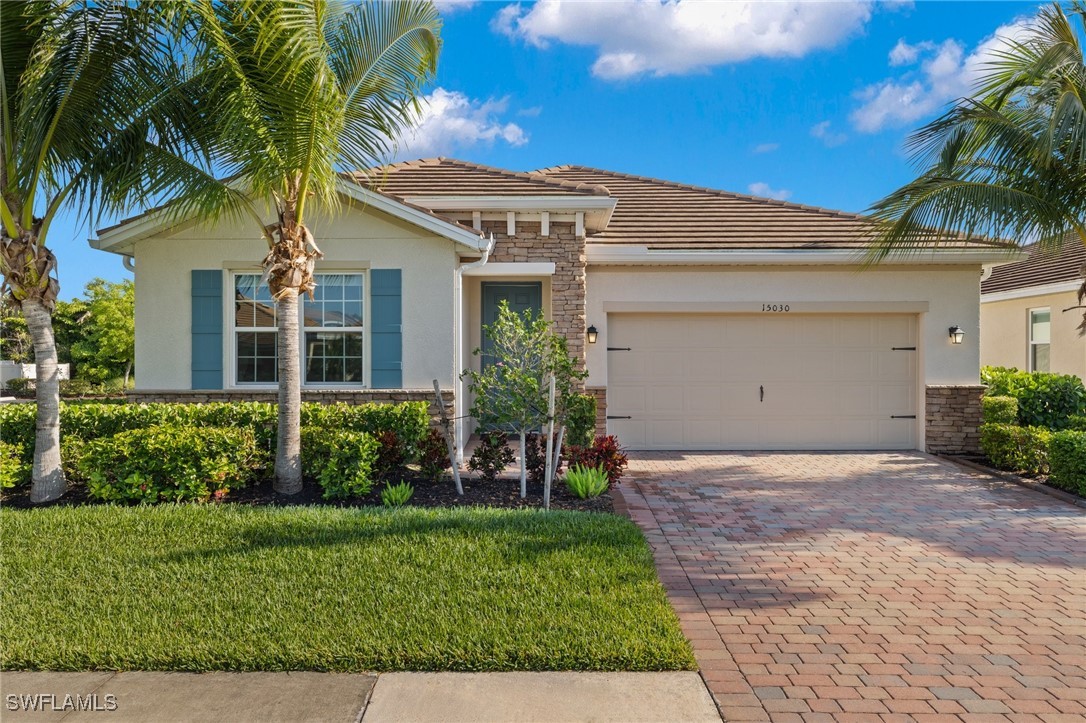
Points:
point(521, 297)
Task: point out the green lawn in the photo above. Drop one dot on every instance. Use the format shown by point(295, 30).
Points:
point(315, 588)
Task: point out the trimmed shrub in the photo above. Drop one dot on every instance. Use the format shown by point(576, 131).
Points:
point(581, 420)
point(1019, 449)
point(604, 453)
point(1044, 399)
point(434, 456)
point(1067, 461)
point(342, 462)
point(535, 454)
point(491, 456)
point(78, 388)
point(999, 410)
point(88, 421)
point(410, 421)
point(391, 456)
point(20, 385)
point(14, 471)
point(1077, 422)
point(168, 463)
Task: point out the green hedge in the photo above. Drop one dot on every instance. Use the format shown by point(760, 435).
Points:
point(89, 421)
point(1019, 449)
point(1067, 459)
point(168, 463)
point(1044, 399)
point(341, 461)
point(14, 471)
point(999, 410)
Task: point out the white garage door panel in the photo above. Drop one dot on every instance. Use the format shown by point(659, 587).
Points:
point(830, 382)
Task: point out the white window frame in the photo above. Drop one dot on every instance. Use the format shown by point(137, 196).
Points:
point(231, 330)
point(1030, 343)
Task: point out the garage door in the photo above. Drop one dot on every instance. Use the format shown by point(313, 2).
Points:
point(787, 381)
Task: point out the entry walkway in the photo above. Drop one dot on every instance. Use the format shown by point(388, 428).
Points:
point(858, 586)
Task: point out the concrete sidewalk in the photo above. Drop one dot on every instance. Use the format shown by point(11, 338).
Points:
point(346, 698)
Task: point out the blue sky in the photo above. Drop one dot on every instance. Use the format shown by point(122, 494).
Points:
point(809, 102)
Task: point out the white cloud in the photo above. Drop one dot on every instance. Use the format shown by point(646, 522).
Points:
point(765, 191)
point(766, 147)
point(451, 6)
point(829, 137)
point(945, 73)
point(905, 54)
point(451, 121)
point(635, 37)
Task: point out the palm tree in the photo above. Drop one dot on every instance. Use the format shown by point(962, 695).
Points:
point(1008, 162)
point(80, 97)
point(295, 94)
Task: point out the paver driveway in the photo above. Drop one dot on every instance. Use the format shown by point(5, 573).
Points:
point(854, 586)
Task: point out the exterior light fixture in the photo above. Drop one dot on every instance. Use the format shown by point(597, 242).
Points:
point(956, 334)
point(592, 334)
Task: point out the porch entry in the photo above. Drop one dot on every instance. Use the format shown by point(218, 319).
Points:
point(520, 296)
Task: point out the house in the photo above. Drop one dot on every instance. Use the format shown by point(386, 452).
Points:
point(707, 319)
point(1029, 313)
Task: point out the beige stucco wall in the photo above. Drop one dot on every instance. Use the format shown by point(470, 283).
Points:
point(1004, 337)
point(355, 238)
point(951, 294)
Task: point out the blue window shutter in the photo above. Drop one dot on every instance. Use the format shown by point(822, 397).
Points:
point(207, 329)
point(386, 328)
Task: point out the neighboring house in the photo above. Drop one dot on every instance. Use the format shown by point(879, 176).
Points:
point(720, 321)
point(1028, 318)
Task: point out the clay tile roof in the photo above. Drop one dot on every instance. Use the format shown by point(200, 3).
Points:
point(450, 177)
point(665, 214)
point(1044, 266)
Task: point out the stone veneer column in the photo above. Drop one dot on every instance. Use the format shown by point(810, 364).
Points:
point(953, 418)
point(600, 393)
point(567, 252)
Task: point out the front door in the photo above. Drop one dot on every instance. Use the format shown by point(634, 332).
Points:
point(520, 296)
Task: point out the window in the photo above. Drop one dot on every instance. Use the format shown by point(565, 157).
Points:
point(333, 330)
point(255, 337)
point(1040, 336)
point(332, 322)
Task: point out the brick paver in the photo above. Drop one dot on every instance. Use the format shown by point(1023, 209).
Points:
point(868, 586)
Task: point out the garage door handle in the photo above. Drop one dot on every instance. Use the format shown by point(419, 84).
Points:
point(761, 393)
point(618, 348)
point(902, 416)
point(613, 417)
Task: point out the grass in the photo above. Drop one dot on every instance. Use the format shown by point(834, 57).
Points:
point(230, 588)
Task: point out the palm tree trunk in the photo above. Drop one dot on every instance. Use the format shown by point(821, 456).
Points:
point(48, 476)
point(288, 454)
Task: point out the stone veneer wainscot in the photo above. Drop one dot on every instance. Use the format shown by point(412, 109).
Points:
point(953, 418)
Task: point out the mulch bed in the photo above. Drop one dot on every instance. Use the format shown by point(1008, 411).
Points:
point(504, 493)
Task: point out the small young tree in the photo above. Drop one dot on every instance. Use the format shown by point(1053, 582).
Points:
point(511, 390)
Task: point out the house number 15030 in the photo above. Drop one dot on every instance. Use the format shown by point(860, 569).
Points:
point(775, 307)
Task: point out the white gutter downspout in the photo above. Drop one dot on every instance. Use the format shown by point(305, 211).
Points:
point(129, 263)
point(459, 384)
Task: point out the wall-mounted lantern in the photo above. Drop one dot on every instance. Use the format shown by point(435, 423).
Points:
point(956, 334)
point(593, 333)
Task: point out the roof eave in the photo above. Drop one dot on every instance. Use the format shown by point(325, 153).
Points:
point(630, 255)
point(121, 238)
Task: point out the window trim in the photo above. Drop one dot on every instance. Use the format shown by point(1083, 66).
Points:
point(1030, 343)
point(230, 380)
